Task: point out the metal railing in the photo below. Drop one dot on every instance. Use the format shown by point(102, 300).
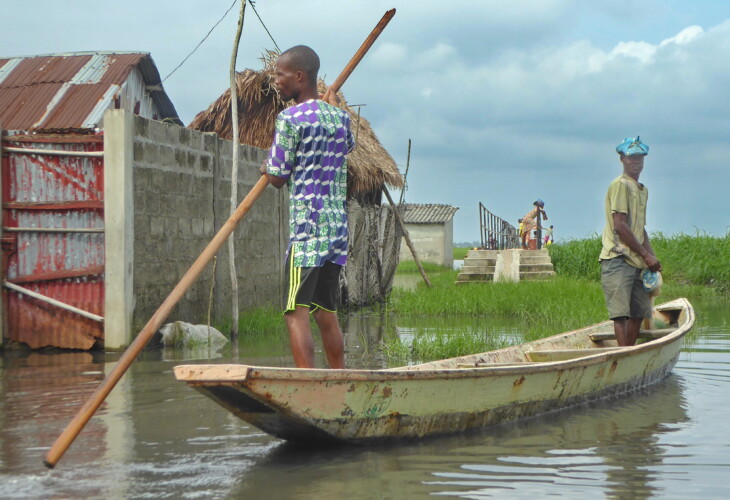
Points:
point(495, 232)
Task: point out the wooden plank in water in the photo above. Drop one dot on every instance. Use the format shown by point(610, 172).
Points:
point(643, 334)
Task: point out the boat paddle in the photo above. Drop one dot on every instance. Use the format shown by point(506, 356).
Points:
point(135, 348)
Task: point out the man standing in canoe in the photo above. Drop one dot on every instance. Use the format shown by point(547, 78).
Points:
point(626, 251)
point(311, 143)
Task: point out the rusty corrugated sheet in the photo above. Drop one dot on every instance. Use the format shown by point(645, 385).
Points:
point(36, 257)
point(78, 103)
point(120, 68)
point(70, 91)
point(45, 69)
point(21, 107)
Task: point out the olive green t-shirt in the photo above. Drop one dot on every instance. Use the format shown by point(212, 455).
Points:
point(626, 196)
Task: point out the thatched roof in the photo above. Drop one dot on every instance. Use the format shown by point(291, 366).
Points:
point(370, 165)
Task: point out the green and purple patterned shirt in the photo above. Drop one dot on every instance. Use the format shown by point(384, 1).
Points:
point(310, 148)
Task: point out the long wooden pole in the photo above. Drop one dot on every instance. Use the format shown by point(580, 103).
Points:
point(361, 52)
point(97, 398)
point(100, 394)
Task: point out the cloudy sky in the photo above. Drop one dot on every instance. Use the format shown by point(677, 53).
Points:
point(505, 102)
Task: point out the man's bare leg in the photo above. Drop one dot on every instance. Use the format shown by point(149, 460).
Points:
point(626, 330)
point(632, 330)
point(300, 337)
point(619, 329)
point(334, 345)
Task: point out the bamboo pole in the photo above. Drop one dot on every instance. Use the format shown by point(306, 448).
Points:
point(405, 176)
point(234, 176)
point(56, 152)
point(74, 427)
point(406, 237)
point(53, 302)
point(360, 52)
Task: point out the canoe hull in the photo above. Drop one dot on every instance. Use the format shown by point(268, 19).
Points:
point(434, 398)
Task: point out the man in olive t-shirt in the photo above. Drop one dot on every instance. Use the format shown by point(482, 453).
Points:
point(626, 248)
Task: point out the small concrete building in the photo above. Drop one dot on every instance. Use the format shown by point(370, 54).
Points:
point(431, 229)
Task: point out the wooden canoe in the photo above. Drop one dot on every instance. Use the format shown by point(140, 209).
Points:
point(446, 396)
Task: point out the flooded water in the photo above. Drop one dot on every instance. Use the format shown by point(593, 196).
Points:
point(157, 438)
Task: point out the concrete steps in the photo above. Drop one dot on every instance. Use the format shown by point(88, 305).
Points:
point(505, 265)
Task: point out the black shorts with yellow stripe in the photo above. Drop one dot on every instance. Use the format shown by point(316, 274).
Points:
point(313, 287)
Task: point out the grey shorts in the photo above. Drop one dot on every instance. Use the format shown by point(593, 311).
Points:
point(623, 289)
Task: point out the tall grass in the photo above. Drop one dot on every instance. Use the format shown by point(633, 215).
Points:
point(700, 260)
point(545, 307)
point(577, 258)
point(261, 321)
point(694, 266)
point(686, 260)
point(428, 344)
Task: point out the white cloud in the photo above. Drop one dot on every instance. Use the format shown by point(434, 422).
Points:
point(685, 36)
point(388, 55)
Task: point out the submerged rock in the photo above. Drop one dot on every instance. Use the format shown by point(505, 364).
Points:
point(181, 334)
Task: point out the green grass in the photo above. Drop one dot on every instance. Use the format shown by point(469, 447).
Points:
point(460, 253)
point(544, 308)
point(429, 344)
point(262, 321)
point(686, 260)
point(694, 266)
point(409, 267)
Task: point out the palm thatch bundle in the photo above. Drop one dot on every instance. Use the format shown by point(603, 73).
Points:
point(370, 166)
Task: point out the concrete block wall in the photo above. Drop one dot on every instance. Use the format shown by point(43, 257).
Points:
point(181, 198)
point(433, 242)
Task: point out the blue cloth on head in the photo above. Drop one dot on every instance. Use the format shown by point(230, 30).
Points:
point(632, 146)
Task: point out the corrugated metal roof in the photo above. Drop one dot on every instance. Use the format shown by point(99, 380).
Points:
point(427, 213)
point(72, 90)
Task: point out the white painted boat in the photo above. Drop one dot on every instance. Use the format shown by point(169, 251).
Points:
point(446, 396)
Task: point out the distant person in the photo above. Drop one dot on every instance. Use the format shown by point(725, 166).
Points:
point(626, 251)
point(311, 141)
point(530, 221)
point(549, 236)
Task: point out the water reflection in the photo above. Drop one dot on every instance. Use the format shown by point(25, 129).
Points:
point(612, 447)
point(157, 438)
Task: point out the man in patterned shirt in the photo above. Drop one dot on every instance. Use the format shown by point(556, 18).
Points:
point(311, 143)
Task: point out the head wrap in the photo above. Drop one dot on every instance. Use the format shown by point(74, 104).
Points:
point(632, 146)
point(539, 203)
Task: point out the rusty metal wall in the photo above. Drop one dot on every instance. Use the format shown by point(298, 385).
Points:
point(43, 191)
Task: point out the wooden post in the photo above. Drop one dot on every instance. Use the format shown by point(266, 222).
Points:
point(406, 237)
point(234, 177)
point(405, 176)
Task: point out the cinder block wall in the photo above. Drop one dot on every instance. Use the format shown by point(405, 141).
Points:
point(181, 186)
point(433, 242)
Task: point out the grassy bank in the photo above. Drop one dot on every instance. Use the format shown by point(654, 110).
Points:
point(694, 266)
point(686, 260)
point(545, 306)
